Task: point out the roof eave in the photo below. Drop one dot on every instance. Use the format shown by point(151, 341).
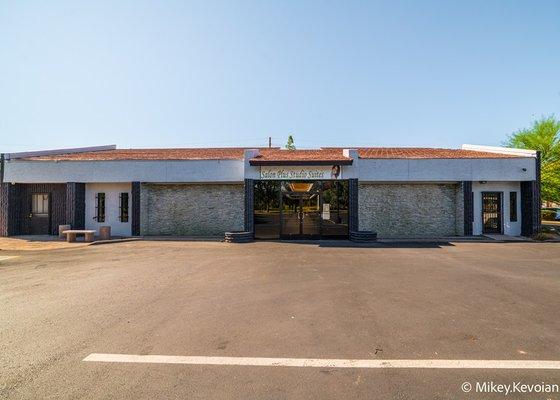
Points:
point(300, 162)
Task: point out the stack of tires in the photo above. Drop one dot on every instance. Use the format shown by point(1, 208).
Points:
point(363, 236)
point(238, 237)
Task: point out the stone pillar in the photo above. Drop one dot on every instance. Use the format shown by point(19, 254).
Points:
point(468, 208)
point(531, 202)
point(135, 211)
point(76, 205)
point(249, 205)
point(353, 222)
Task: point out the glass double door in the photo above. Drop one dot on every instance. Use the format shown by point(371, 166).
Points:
point(300, 209)
point(301, 215)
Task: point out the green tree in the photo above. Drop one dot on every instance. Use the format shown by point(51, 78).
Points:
point(290, 144)
point(543, 136)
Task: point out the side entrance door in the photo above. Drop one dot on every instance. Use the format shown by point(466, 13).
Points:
point(39, 216)
point(492, 218)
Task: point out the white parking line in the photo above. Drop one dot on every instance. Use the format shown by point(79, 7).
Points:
point(323, 363)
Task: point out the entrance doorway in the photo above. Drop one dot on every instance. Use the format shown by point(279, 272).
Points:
point(492, 212)
point(39, 216)
point(301, 216)
point(300, 209)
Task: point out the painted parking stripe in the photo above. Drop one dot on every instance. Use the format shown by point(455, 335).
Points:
point(322, 363)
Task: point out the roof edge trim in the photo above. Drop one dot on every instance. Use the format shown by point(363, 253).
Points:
point(53, 152)
point(500, 150)
point(299, 162)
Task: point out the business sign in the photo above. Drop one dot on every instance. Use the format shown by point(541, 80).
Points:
point(303, 172)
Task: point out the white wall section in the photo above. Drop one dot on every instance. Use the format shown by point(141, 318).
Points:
point(509, 227)
point(112, 207)
point(223, 171)
point(185, 171)
point(447, 170)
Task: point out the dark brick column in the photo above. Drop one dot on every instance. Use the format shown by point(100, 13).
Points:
point(249, 205)
point(4, 209)
point(468, 208)
point(531, 202)
point(76, 205)
point(10, 210)
point(537, 193)
point(135, 212)
point(353, 222)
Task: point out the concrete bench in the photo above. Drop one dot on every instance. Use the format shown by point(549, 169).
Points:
point(72, 233)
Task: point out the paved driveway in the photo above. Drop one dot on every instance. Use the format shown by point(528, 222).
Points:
point(467, 301)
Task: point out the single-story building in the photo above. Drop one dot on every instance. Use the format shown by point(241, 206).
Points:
point(274, 193)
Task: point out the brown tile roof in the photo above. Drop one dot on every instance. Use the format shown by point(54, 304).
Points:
point(277, 156)
point(334, 155)
point(223, 153)
point(423, 153)
point(270, 156)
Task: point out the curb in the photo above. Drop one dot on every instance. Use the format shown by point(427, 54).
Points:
point(109, 241)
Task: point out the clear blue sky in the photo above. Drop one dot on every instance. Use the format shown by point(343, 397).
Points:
point(226, 73)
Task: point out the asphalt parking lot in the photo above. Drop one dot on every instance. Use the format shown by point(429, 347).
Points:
point(462, 301)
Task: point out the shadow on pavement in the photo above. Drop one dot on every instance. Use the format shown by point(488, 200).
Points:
point(373, 245)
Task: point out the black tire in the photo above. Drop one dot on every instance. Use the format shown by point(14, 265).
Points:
point(238, 237)
point(363, 236)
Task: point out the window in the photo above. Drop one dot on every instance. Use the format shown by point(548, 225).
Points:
point(335, 208)
point(513, 206)
point(100, 207)
point(123, 207)
point(266, 205)
point(40, 204)
point(472, 205)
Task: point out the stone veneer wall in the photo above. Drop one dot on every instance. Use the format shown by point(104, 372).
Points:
point(411, 210)
point(191, 209)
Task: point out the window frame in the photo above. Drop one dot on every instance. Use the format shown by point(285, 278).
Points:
point(100, 206)
point(513, 210)
point(124, 207)
point(44, 198)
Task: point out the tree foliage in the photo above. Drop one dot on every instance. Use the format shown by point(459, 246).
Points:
point(543, 136)
point(290, 144)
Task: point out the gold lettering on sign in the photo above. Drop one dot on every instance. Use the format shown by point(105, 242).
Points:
point(313, 173)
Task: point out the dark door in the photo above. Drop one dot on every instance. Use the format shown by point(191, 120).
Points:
point(492, 212)
point(301, 217)
point(39, 216)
